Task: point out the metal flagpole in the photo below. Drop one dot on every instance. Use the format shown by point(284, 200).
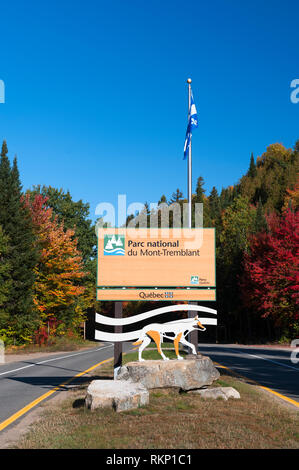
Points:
point(193, 337)
point(189, 181)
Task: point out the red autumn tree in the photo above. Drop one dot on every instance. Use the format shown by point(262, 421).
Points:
point(57, 290)
point(271, 279)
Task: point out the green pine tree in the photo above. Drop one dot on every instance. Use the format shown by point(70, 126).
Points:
point(260, 219)
point(5, 282)
point(199, 191)
point(176, 196)
point(16, 223)
point(214, 205)
point(200, 198)
point(4, 185)
point(252, 167)
point(226, 197)
point(162, 200)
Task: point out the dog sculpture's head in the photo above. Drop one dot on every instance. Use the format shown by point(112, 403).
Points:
point(198, 324)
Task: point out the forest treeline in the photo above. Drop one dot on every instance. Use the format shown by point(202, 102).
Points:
point(48, 254)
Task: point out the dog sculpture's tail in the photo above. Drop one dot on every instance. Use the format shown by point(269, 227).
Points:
point(140, 339)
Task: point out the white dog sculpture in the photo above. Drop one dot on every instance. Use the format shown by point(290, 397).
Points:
point(157, 331)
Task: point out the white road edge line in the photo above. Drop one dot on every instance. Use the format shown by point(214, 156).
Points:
point(274, 362)
point(55, 359)
point(265, 359)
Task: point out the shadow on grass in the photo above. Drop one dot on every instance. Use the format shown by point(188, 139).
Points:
point(79, 403)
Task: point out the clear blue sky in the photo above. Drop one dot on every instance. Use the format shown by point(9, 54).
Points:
point(96, 95)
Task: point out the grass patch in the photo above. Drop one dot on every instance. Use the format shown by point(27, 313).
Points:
point(222, 383)
point(60, 344)
point(152, 353)
point(171, 420)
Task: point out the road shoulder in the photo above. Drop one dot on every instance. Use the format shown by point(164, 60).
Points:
point(11, 358)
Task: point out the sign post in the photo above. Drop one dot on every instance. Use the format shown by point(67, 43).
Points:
point(193, 336)
point(118, 311)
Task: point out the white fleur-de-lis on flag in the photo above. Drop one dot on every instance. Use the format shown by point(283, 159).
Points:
point(192, 122)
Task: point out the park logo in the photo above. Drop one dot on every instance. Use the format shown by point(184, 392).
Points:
point(114, 245)
point(194, 280)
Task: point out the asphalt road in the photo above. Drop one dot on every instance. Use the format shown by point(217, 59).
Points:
point(23, 382)
point(267, 366)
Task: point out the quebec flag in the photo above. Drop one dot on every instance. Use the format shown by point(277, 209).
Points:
point(193, 122)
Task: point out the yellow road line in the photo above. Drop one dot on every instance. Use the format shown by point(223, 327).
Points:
point(254, 382)
point(31, 405)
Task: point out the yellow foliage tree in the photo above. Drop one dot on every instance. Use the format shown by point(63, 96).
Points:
point(58, 294)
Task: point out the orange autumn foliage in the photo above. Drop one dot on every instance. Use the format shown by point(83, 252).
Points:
point(60, 265)
point(292, 197)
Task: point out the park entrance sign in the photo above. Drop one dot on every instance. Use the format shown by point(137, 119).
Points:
point(147, 258)
point(146, 264)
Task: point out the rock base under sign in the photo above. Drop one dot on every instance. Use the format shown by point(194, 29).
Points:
point(219, 392)
point(118, 395)
point(185, 375)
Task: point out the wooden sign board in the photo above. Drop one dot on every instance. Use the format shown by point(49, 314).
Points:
point(156, 294)
point(146, 257)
